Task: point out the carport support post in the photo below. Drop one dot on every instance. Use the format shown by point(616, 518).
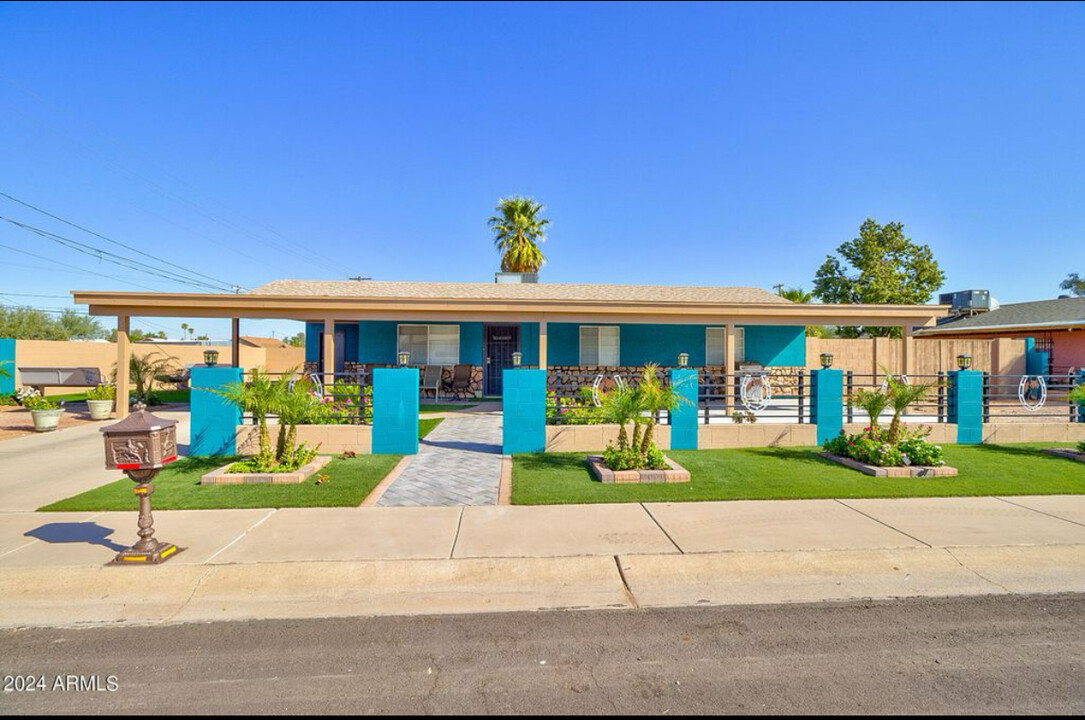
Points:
point(214, 419)
point(684, 416)
point(395, 411)
point(965, 405)
point(124, 381)
point(523, 411)
point(827, 402)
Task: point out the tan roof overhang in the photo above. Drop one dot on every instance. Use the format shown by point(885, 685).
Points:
point(138, 304)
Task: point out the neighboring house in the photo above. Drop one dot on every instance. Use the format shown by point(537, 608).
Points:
point(1054, 331)
point(558, 326)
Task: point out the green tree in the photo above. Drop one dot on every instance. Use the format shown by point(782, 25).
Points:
point(518, 229)
point(24, 323)
point(1075, 284)
point(297, 340)
point(881, 266)
point(137, 335)
point(800, 296)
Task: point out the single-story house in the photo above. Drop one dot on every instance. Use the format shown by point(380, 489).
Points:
point(354, 324)
point(1054, 331)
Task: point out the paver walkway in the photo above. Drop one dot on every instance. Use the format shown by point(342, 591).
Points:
point(459, 463)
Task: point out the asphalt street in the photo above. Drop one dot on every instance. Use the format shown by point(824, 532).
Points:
point(1023, 654)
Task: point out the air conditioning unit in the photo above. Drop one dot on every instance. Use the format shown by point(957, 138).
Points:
point(516, 278)
point(968, 302)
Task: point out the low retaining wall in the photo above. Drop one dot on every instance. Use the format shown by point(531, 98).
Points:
point(586, 438)
point(333, 439)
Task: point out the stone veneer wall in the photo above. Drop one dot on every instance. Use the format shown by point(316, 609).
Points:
point(784, 379)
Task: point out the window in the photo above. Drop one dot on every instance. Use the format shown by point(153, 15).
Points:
point(430, 344)
point(715, 341)
point(599, 345)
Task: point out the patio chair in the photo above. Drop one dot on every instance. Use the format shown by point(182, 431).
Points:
point(461, 379)
point(431, 380)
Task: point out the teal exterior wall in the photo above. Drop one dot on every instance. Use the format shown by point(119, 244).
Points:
point(774, 345)
point(395, 411)
point(523, 411)
point(214, 420)
point(965, 405)
point(1081, 408)
point(312, 341)
point(684, 417)
point(7, 362)
point(374, 342)
point(827, 402)
point(1036, 361)
point(770, 345)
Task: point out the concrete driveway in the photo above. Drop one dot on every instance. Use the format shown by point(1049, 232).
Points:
point(36, 470)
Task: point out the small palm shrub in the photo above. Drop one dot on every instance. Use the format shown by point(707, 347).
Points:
point(1081, 446)
point(102, 392)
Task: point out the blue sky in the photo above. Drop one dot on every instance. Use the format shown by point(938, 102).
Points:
point(671, 143)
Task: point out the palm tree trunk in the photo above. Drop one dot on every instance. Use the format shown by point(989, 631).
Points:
point(894, 429)
point(635, 445)
point(280, 445)
point(623, 438)
point(646, 441)
point(291, 444)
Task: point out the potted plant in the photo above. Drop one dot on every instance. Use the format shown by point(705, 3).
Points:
point(100, 401)
point(46, 412)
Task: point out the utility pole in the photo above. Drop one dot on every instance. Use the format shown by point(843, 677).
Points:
point(779, 288)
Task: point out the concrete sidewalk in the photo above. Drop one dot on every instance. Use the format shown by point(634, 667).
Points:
point(367, 561)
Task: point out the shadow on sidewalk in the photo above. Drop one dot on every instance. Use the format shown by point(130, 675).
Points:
point(85, 532)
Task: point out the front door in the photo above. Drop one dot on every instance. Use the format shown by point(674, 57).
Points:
point(501, 342)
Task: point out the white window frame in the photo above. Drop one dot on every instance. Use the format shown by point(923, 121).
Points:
point(618, 346)
point(740, 344)
point(429, 348)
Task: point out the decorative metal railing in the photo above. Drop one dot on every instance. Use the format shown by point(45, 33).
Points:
point(343, 398)
point(931, 408)
point(1029, 398)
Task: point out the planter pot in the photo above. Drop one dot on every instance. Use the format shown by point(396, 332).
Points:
point(46, 420)
point(100, 409)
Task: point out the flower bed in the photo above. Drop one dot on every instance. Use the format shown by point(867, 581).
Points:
point(893, 471)
point(873, 446)
point(668, 472)
point(242, 474)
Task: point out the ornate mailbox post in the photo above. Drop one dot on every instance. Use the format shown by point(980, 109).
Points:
point(141, 445)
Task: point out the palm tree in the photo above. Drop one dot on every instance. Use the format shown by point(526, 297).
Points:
point(4, 372)
point(621, 405)
point(143, 370)
point(518, 230)
point(901, 396)
point(655, 397)
point(800, 296)
point(260, 397)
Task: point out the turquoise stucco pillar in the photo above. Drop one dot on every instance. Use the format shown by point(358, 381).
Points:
point(395, 411)
point(523, 410)
point(1081, 408)
point(827, 402)
point(965, 405)
point(214, 419)
point(684, 416)
point(7, 362)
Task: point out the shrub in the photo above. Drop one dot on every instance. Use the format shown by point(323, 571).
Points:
point(1081, 446)
point(102, 392)
point(873, 447)
point(32, 399)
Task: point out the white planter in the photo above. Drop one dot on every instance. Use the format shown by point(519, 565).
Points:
point(46, 420)
point(100, 409)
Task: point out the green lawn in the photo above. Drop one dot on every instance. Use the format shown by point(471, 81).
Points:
point(787, 473)
point(424, 408)
point(177, 487)
point(166, 396)
point(426, 425)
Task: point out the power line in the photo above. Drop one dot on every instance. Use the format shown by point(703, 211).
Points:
point(115, 242)
point(110, 257)
point(73, 268)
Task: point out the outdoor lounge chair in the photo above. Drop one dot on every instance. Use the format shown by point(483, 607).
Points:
point(431, 380)
point(461, 379)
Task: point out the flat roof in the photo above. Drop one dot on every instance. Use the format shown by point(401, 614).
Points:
point(351, 300)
